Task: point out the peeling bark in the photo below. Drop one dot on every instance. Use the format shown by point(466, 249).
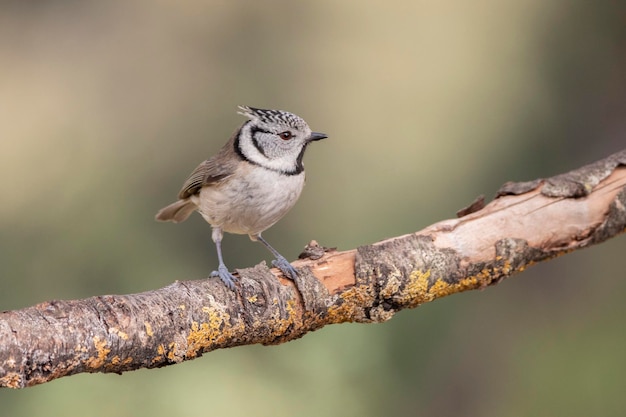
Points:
point(527, 223)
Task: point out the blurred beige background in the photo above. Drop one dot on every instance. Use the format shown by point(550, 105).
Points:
point(106, 107)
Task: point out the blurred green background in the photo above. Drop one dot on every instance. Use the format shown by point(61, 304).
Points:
point(106, 107)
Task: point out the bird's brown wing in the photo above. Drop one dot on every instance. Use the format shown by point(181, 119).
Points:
point(208, 172)
point(213, 170)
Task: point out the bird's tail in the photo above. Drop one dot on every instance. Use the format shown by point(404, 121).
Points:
point(176, 212)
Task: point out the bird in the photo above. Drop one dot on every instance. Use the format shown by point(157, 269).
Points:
point(250, 184)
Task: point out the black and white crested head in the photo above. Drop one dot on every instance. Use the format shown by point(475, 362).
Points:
point(274, 117)
point(274, 139)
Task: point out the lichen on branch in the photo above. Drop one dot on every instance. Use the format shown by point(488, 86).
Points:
point(527, 223)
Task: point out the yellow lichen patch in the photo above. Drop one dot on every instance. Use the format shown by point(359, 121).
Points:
point(160, 352)
point(11, 380)
point(484, 276)
point(283, 324)
point(391, 288)
point(416, 291)
point(353, 301)
point(102, 352)
point(441, 288)
point(118, 332)
point(117, 361)
point(252, 299)
point(493, 275)
point(148, 327)
point(171, 355)
point(343, 313)
point(506, 268)
point(360, 295)
point(208, 335)
point(419, 289)
point(487, 276)
point(182, 307)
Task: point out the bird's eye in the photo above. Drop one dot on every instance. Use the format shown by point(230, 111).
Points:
point(286, 135)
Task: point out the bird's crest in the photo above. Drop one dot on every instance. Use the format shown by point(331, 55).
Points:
point(273, 117)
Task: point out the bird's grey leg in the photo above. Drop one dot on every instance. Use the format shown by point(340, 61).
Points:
point(280, 262)
point(222, 272)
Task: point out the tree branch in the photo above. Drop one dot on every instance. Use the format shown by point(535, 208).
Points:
point(526, 223)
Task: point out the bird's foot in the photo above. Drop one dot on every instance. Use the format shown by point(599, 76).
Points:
point(227, 278)
point(285, 267)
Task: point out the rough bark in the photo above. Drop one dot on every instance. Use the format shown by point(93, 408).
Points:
point(527, 222)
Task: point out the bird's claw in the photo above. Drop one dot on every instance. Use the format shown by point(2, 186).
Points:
point(285, 267)
point(227, 278)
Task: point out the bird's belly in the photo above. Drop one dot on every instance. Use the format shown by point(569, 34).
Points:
point(250, 204)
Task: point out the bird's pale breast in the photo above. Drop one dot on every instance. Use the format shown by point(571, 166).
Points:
point(251, 204)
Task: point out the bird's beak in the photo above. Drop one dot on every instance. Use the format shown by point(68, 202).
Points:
point(316, 136)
